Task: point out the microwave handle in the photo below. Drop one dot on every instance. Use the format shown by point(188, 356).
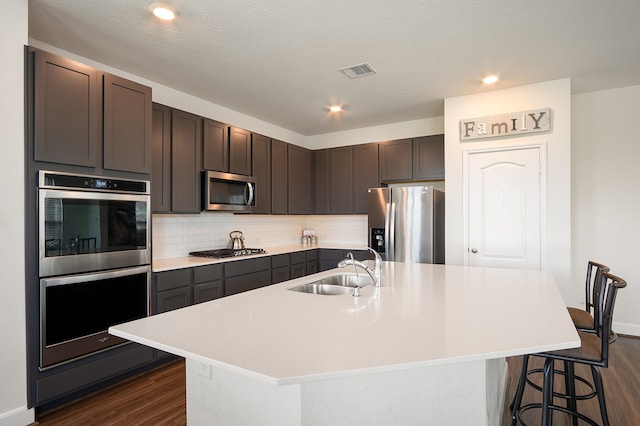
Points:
point(250, 198)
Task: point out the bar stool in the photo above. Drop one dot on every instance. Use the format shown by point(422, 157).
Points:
point(593, 351)
point(583, 319)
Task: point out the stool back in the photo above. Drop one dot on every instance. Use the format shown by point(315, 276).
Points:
point(610, 284)
point(593, 288)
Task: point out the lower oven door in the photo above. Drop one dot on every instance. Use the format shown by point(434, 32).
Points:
point(77, 310)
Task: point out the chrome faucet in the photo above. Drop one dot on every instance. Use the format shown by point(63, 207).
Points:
point(374, 274)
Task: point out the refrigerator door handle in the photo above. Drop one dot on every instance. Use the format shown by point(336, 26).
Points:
point(390, 231)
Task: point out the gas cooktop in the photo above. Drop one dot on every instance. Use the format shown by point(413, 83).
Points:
point(221, 253)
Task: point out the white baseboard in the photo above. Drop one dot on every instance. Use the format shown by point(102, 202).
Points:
point(19, 417)
point(626, 328)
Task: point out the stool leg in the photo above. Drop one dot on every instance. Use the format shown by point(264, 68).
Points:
point(570, 389)
point(547, 393)
point(597, 380)
point(517, 399)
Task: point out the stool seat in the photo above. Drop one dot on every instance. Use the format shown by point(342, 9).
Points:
point(581, 319)
point(590, 349)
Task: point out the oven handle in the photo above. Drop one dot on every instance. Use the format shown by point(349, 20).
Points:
point(94, 276)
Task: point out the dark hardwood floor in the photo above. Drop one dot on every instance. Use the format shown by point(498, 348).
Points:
point(158, 397)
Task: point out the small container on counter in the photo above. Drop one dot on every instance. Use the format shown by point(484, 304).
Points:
point(304, 239)
point(314, 239)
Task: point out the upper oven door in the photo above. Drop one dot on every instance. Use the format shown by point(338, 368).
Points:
point(83, 231)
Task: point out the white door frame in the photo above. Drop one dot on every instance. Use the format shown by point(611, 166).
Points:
point(542, 146)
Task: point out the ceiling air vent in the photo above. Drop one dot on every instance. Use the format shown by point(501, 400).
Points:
point(358, 70)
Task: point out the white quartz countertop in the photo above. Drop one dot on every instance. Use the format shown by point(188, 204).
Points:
point(160, 265)
point(423, 315)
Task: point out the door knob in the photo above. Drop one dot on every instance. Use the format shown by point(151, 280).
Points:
point(474, 250)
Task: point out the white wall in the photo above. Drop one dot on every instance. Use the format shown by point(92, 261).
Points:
point(605, 196)
point(553, 94)
point(13, 381)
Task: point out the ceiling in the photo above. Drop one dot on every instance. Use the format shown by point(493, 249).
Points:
point(278, 60)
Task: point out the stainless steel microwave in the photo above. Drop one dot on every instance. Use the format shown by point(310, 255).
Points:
point(228, 192)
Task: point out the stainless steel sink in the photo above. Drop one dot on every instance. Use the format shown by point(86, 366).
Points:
point(333, 285)
point(320, 288)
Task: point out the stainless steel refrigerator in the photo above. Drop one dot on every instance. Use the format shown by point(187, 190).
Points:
point(406, 223)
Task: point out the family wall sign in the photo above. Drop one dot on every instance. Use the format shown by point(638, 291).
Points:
point(511, 124)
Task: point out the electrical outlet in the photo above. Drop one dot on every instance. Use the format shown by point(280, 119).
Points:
point(204, 370)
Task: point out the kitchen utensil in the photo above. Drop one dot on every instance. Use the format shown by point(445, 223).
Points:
point(237, 240)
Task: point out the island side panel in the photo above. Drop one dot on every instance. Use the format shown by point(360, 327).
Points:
point(218, 397)
point(451, 394)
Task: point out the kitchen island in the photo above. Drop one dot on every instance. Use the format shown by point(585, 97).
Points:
point(428, 347)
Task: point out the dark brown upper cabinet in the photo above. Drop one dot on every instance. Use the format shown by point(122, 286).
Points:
point(341, 180)
point(321, 162)
point(127, 125)
point(186, 143)
point(261, 167)
point(365, 174)
point(412, 159)
point(239, 151)
point(74, 104)
point(300, 180)
point(279, 177)
point(215, 146)
point(161, 159)
point(428, 157)
point(66, 110)
point(396, 160)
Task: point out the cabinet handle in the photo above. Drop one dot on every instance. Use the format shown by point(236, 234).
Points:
point(474, 250)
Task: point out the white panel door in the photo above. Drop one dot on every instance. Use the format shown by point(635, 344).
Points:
point(504, 208)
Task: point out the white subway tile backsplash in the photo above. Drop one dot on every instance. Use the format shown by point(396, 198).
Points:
point(177, 235)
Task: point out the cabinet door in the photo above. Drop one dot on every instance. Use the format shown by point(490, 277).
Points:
point(279, 192)
point(321, 160)
point(300, 164)
point(428, 157)
point(239, 151)
point(127, 125)
point(208, 291)
point(261, 167)
point(173, 299)
point(186, 140)
point(396, 160)
point(66, 111)
point(341, 180)
point(215, 146)
point(281, 274)
point(365, 174)
point(247, 282)
point(161, 159)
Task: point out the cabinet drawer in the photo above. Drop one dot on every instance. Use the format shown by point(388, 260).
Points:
point(173, 279)
point(280, 274)
point(241, 267)
point(298, 257)
point(247, 282)
point(312, 255)
point(280, 260)
point(207, 273)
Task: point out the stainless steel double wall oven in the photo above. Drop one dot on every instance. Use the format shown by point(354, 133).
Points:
point(94, 261)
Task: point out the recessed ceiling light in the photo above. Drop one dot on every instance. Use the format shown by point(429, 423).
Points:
point(163, 11)
point(335, 108)
point(490, 79)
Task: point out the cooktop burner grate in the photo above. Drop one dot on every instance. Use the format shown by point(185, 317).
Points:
point(221, 253)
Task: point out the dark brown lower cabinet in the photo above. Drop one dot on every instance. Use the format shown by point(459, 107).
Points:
point(280, 268)
point(298, 264)
point(245, 275)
